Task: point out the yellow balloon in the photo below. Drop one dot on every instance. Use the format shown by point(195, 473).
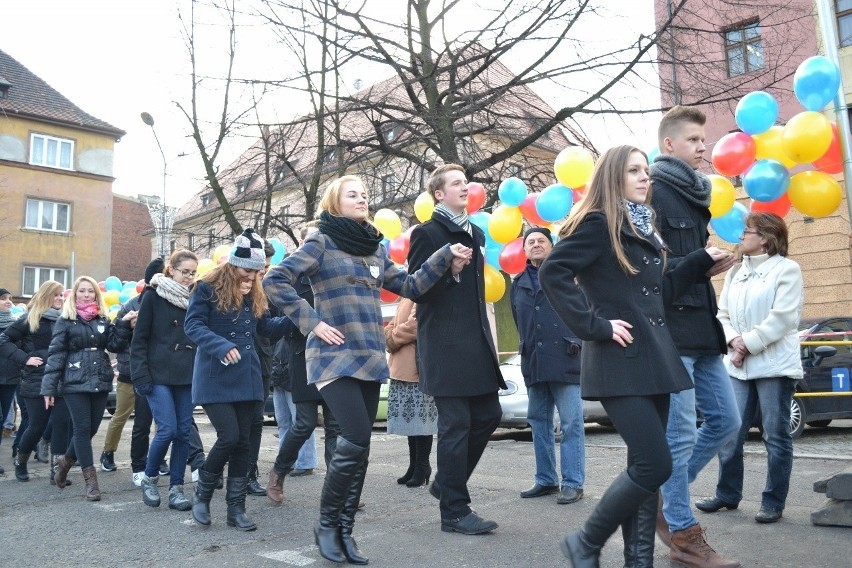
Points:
point(111, 297)
point(815, 194)
point(423, 207)
point(495, 285)
point(769, 146)
point(219, 252)
point(388, 223)
point(806, 137)
point(573, 166)
point(505, 224)
point(722, 195)
point(204, 266)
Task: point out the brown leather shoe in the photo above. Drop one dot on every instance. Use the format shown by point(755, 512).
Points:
point(93, 492)
point(275, 487)
point(63, 465)
point(663, 531)
point(691, 549)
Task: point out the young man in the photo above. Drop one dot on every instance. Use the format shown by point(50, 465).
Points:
point(458, 360)
point(550, 363)
point(681, 199)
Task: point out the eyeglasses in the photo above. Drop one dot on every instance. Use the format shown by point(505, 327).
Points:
point(750, 232)
point(186, 273)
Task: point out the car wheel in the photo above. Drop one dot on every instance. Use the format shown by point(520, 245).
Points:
point(819, 423)
point(798, 416)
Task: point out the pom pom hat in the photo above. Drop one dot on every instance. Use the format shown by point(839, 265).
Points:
point(248, 251)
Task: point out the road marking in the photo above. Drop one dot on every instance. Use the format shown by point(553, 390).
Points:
point(292, 557)
point(116, 507)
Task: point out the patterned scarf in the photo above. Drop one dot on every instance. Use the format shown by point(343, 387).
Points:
point(88, 310)
point(171, 291)
point(350, 236)
point(691, 184)
point(460, 219)
point(641, 217)
point(6, 319)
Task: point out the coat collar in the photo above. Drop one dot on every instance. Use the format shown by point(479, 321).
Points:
point(655, 239)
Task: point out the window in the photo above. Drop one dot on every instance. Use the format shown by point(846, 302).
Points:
point(190, 242)
point(51, 152)
point(35, 276)
point(743, 49)
point(47, 216)
point(284, 215)
point(388, 186)
point(844, 21)
point(328, 155)
point(205, 200)
point(390, 132)
point(172, 246)
point(243, 184)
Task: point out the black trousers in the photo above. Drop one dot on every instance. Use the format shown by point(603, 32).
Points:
point(464, 426)
point(257, 429)
point(353, 403)
point(140, 437)
point(87, 411)
point(306, 421)
point(39, 417)
point(232, 421)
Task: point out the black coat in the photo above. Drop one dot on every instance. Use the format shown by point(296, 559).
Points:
point(650, 364)
point(550, 351)
point(692, 316)
point(160, 352)
point(10, 374)
point(122, 355)
point(17, 344)
point(456, 351)
point(77, 361)
point(291, 356)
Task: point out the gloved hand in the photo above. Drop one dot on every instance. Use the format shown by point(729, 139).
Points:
point(144, 389)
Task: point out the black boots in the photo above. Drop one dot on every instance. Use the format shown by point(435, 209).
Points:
point(336, 492)
point(235, 497)
point(422, 469)
point(21, 460)
point(412, 461)
point(638, 531)
point(203, 493)
point(347, 517)
point(254, 487)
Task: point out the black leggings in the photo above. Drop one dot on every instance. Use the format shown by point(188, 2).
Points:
point(87, 411)
point(641, 423)
point(354, 404)
point(232, 421)
point(39, 417)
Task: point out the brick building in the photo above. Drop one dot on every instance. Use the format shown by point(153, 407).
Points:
point(131, 238)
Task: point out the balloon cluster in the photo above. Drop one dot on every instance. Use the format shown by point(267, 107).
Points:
point(763, 153)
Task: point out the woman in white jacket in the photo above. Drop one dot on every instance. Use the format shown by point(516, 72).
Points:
point(759, 308)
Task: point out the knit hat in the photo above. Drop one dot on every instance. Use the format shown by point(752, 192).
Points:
point(543, 230)
point(248, 251)
point(4, 291)
point(156, 266)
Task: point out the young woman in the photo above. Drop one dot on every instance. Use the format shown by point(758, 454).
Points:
point(25, 344)
point(610, 246)
point(161, 361)
point(346, 347)
point(226, 309)
point(78, 367)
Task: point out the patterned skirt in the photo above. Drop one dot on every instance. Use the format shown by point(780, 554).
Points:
point(410, 412)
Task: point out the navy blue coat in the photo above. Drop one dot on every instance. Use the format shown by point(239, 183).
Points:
point(550, 351)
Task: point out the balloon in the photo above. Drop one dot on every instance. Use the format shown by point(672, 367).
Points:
point(102, 286)
point(111, 297)
point(722, 195)
point(492, 254)
point(815, 194)
point(554, 202)
point(513, 259)
point(205, 265)
point(807, 136)
point(573, 166)
point(141, 285)
point(475, 197)
point(481, 220)
point(219, 252)
point(780, 206)
point(279, 251)
point(766, 180)
point(387, 296)
point(768, 146)
point(67, 293)
point(733, 154)
point(388, 222)
point(126, 294)
point(398, 249)
point(578, 193)
point(831, 162)
point(128, 284)
point(424, 205)
point(112, 283)
point(730, 226)
point(652, 155)
point(505, 223)
point(512, 192)
point(756, 112)
point(495, 285)
point(223, 259)
point(529, 211)
point(816, 82)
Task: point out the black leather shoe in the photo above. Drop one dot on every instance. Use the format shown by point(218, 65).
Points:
point(539, 491)
point(435, 491)
point(569, 495)
point(469, 524)
point(713, 504)
point(301, 472)
point(768, 515)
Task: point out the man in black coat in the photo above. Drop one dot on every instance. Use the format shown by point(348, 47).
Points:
point(457, 359)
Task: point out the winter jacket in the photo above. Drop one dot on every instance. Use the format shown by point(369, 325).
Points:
point(18, 344)
point(401, 339)
point(125, 336)
point(10, 374)
point(160, 352)
point(762, 301)
point(291, 354)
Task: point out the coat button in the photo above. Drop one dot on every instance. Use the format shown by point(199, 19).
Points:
point(644, 291)
point(657, 290)
point(248, 346)
point(233, 334)
point(652, 322)
point(538, 326)
point(248, 321)
point(537, 308)
point(657, 260)
point(682, 224)
point(645, 259)
point(248, 333)
point(539, 343)
point(661, 322)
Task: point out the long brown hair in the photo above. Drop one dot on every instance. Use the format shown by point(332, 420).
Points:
point(605, 194)
point(42, 301)
point(225, 281)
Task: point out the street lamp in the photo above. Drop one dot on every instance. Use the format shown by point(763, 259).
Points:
point(162, 249)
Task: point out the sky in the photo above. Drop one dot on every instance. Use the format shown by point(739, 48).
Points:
point(117, 59)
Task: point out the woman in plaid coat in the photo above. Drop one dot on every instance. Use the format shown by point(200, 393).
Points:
point(345, 353)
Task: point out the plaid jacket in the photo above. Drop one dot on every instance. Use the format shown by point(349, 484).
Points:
point(346, 297)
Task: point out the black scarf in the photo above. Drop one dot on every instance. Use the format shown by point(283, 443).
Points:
point(691, 184)
point(350, 236)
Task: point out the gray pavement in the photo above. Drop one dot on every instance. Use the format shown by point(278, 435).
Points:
point(400, 527)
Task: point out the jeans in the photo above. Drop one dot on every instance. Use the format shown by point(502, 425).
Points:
point(125, 399)
point(171, 407)
point(285, 415)
point(773, 396)
point(572, 453)
point(87, 411)
point(692, 448)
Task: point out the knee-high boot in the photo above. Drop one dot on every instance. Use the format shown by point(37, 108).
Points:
point(203, 494)
point(235, 497)
point(422, 469)
point(639, 532)
point(412, 461)
point(342, 469)
point(347, 517)
point(621, 500)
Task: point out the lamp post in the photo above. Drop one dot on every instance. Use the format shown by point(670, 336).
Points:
point(162, 249)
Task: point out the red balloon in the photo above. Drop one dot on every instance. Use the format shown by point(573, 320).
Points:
point(579, 192)
point(398, 249)
point(733, 154)
point(529, 212)
point(513, 259)
point(102, 286)
point(831, 162)
point(66, 293)
point(780, 206)
point(387, 296)
point(475, 197)
point(140, 286)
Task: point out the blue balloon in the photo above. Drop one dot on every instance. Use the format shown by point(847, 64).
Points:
point(766, 180)
point(652, 155)
point(492, 254)
point(554, 202)
point(481, 219)
point(731, 225)
point(512, 191)
point(756, 112)
point(279, 250)
point(113, 283)
point(126, 294)
point(816, 82)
